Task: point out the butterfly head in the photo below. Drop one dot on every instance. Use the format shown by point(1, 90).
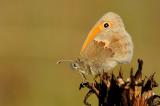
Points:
point(77, 64)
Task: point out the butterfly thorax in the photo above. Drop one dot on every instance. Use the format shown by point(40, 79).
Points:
point(83, 66)
point(92, 67)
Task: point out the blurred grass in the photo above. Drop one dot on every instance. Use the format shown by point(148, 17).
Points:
point(34, 34)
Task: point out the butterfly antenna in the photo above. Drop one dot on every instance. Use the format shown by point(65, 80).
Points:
point(61, 61)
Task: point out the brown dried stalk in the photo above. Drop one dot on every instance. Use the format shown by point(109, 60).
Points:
point(115, 91)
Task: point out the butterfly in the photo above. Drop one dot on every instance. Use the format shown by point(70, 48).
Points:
point(108, 44)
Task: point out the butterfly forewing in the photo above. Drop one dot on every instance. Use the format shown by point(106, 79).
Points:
point(103, 46)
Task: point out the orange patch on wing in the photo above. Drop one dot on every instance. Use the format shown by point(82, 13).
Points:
point(91, 36)
point(100, 43)
point(110, 24)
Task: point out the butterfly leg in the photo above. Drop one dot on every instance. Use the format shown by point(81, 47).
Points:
point(96, 77)
point(83, 77)
point(120, 69)
point(84, 82)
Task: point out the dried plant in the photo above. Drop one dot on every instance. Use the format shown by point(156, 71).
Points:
point(115, 91)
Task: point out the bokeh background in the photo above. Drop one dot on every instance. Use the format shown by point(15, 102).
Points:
point(34, 34)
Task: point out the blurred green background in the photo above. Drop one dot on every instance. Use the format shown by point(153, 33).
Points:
point(34, 34)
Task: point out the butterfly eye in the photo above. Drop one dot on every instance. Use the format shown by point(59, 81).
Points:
point(106, 25)
point(75, 65)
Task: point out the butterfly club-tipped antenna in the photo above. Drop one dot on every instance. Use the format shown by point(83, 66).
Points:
point(61, 61)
